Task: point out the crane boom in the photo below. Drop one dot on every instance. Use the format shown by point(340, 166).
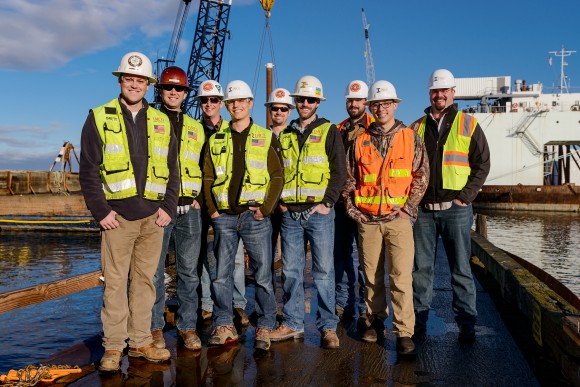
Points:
point(162, 63)
point(207, 50)
point(370, 64)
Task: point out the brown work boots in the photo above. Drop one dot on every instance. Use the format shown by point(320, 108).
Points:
point(190, 340)
point(284, 333)
point(158, 339)
point(150, 352)
point(111, 361)
point(330, 339)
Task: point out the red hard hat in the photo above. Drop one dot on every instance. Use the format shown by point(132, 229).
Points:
point(173, 75)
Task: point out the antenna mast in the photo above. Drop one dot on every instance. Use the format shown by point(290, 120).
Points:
point(370, 64)
point(562, 53)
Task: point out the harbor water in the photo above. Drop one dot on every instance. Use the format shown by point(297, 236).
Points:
point(33, 333)
point(549, 240)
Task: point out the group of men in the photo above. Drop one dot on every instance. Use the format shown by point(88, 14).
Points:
point(150, 175)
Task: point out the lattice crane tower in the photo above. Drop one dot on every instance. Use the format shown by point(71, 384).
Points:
point(370, 64)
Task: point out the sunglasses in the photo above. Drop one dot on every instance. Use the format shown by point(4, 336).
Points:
point(310, 100)
point(279, 109)
point(213, 100)
point(179, 89)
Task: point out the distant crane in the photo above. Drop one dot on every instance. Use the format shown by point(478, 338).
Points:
point(370, 64)
point(162, 63)
point(205, 61)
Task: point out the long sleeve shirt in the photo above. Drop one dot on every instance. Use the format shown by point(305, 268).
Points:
point(136, 207)
point(336, 158)
point(382, 141)
point(237, 173)
point(436, 133)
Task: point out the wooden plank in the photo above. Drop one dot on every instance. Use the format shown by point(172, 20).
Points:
point(44, 205)
point(44, 292)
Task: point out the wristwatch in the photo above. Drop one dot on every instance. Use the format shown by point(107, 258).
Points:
point(328, 204)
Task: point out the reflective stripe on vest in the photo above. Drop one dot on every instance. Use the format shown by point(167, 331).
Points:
point(384, 184)
point(117, 172)
point(256, 178)
point(455, 169)
point(306, 170)
point(192, 139)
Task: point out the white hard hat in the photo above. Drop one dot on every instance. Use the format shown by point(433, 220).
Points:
point(136, 63)
point(280, 95)
point(382, 90)
point(238, 90)
point(308, 86)
point(356, 89)
point(441, 79)
point(210, 88)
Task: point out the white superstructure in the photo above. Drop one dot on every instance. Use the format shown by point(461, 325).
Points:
point(534, 137)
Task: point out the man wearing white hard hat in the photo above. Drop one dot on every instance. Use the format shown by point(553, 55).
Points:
point(210, 95)
point(243, 179)
point(130, 182)
point(387, 171)
point(314, 173)
point(459, 159)
point(346, 274)
point(279, 106)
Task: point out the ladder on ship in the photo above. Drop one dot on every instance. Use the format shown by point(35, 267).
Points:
point(520, 131)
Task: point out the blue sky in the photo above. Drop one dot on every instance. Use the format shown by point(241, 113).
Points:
point(56, 56)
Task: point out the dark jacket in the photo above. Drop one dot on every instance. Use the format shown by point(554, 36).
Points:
point(336, 158)
point(136, 207)
point(479, 160)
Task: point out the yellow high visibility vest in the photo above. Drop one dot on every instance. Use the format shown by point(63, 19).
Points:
point(306, 170)
point(256, 178)
point(455, 168)
point(192, 139)
point(117, 172)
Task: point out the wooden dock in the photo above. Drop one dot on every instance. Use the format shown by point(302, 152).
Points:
point(493, 360)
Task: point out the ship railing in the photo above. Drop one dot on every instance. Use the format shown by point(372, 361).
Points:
point(483, 109)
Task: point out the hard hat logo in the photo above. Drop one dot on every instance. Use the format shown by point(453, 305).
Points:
point(135, 61)
point(207, 86)
point(280, 93)
point(355, 87)
point(308, 86)
point(218, 88)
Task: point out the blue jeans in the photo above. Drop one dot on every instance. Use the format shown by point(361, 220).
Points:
point(319, 231)
point(186, 230)
point(345, 238)
point(454, 227)
point(208, 272)
point(228, 229)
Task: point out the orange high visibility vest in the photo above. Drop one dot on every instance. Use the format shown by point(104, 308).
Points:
point(384, 184)
point(369, 120)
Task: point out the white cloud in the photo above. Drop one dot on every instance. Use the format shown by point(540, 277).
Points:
point(45, 34)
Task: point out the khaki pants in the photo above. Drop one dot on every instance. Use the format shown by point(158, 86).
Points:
point(396, 239)
point(129, 258)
